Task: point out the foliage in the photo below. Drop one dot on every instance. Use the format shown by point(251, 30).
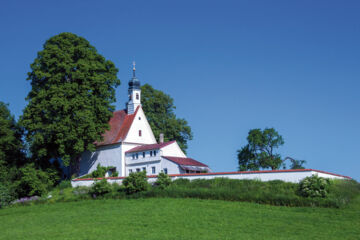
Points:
point(70, 100)
point(314, 186)
point(135, 182)
point(295, 163)
point(247, 159)
point(159, 109)
point(163, 180)
point(259, 152)
point(11, 145)
point(100, 172)
point(5, 195)
point(64, 184)
point(100, 188)
point(35, 181)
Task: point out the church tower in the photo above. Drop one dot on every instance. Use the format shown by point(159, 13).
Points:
point(134, 93)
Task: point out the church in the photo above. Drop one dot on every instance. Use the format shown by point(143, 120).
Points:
point(130, 145)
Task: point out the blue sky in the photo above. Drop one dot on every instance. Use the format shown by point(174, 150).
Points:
point(230, 66)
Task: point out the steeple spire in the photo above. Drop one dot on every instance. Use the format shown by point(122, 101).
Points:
point(134, 69)
point(134, 93)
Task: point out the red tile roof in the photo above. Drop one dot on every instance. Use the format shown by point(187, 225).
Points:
point(185, 161)
point(120, 124)
point(146, 147)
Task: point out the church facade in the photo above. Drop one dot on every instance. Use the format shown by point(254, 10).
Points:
point(130, 145)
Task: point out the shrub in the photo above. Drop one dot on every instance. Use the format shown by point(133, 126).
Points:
point(5, 195)
point(64, 184)
point(135, 182)
point(100, 172)
point(314, 186)
point(163, 180)
point(34, 181)
point(100, 188)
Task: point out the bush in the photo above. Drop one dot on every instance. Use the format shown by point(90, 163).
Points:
point(163, 180)
point(34, 181)
point(64, 184)
point(136, 182)
point(314, 186)
point(100, 172)
point(100, 188)
point(5, 195)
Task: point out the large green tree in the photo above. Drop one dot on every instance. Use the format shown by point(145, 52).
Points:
point(260, 150)
point(159, 109)
point(70, 103)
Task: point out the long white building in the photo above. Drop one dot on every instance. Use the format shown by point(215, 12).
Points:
point(130, 145)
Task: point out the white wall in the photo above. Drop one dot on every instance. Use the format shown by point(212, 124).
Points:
point(110, 155)
point(290, 176)
point(147, 136)
point(172, 150)
point(172, 167)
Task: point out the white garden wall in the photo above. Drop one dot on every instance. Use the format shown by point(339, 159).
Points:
point(284, 175)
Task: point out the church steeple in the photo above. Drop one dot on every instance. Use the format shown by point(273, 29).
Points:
point(134, 93)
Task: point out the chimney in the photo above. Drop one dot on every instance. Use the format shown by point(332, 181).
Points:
point(161, 138)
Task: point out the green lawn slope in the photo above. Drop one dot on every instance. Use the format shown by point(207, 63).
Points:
point(168, 218)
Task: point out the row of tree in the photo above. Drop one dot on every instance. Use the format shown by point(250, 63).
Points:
point(69, 106)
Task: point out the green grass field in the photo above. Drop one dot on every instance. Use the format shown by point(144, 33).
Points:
point(166, 218)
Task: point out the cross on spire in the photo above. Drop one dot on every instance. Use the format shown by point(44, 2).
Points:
point(134, 68)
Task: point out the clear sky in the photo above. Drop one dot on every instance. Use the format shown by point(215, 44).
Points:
point(230, 66)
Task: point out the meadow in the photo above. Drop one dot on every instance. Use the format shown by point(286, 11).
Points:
point(177, 218)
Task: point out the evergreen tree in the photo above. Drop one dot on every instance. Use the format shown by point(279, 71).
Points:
point(159, 109)
point(11, 144)
point(73, 87)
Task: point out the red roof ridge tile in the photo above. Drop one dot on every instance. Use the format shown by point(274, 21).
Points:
point(145, 147)
point(185, 161)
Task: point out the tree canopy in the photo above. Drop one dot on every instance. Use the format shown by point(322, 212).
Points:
point(259, 152)
point(11, 145)
point(159, 109)
point(69, 105)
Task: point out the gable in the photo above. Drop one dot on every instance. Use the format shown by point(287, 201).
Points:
point(173, 150)
point(120, 124)
point(140, 123)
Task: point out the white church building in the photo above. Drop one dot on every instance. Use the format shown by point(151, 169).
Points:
point(130, 145)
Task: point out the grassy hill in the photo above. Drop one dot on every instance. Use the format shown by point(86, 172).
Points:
point(167, 218)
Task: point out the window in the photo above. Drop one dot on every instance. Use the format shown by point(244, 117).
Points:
point(150, 153)
point(137, 155)
point(154, 153)
point(139, 118)
point(138, 169)
point(165, 170)
point(137, 96)
point(143, 154)
point(139, 133)
point(144, 169)
point(153, 170)
point(133, 156)
point(130, 170)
